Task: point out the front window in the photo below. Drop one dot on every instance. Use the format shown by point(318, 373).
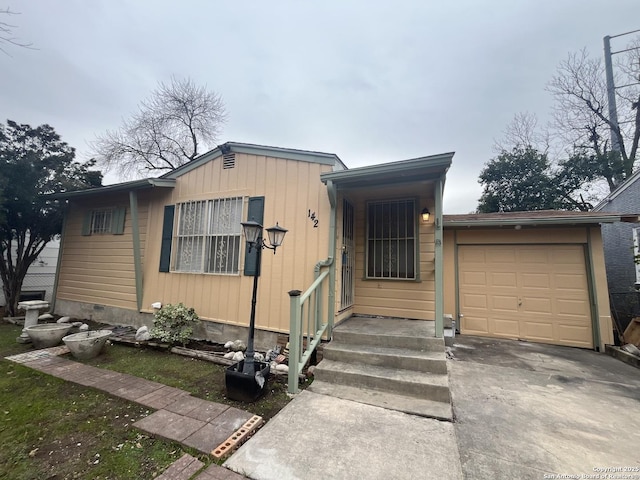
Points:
point(208, 236)
point(391, 239)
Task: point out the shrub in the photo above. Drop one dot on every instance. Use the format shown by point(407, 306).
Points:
point(174, 324)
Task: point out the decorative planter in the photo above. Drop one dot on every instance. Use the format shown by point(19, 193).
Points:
point(244, 387)
point(86, 345)
point(47, 335)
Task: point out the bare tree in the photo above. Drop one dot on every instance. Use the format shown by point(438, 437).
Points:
point(580, 166)
point(178, 122)
point(581, 117)
point(6, 33)
point(523, 132)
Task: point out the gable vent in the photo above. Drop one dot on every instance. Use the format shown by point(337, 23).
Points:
point(228, 160)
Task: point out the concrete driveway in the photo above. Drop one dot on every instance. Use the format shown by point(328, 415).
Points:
point(526, 410)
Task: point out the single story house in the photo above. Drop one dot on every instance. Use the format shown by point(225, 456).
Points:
point(378, 231)
point(621, 248)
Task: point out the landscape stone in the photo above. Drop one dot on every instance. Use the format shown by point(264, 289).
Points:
point(282, 368)
point(142, 334)
point(238, 356)
point(64, 320)
point(45, 317)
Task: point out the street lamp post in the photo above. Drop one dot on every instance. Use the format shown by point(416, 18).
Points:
point(254, 236)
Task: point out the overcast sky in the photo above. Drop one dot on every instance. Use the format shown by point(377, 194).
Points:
point(370, 81)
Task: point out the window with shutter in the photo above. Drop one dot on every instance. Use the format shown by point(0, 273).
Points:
point(208, 236)
point(104, 221)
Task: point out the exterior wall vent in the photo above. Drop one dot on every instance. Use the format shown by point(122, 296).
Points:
point(228, 160)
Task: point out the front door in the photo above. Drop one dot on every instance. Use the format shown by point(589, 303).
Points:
point(348, 255)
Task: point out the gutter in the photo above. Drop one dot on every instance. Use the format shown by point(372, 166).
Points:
point(534, 222)
point(117, 187)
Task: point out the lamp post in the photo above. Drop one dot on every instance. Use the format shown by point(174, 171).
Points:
point(253, 234)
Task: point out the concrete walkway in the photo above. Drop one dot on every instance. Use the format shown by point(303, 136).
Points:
point(194, 422)
point(318, 436)
point(522, 410)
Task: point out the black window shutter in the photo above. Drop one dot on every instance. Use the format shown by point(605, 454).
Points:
point(167, 232)
point(117, 221)
point(86, 224)
point(255, 213)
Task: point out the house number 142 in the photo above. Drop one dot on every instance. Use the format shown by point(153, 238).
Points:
point(312, 216)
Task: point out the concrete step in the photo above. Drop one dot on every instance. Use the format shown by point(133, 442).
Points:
point(392, 401)
point(402, 358)
point(420, 343)
point(427, 386)
point(389, 332)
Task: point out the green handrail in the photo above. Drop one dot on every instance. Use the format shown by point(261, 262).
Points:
point(316, 326)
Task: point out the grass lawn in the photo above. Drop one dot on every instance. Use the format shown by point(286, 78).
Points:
point(52, 429)
point(200, 378)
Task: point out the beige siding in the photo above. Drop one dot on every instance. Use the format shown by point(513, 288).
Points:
point(396, 298)
point(449, 273)
point(290, 188)
point(98, 269)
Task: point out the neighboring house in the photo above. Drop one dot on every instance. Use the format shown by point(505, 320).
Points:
point(39, 281)
point(377, 231)
point(620, 248)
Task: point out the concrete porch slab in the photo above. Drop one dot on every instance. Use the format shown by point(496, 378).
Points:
point(318, 436)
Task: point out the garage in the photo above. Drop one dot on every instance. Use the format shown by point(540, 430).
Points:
point(534, 276)
point(538, 293)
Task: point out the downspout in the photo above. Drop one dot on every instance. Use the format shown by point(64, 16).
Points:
point(135, 232)
point(459, 316)
point(329, 262)
point(439, 280)
point(56, 278)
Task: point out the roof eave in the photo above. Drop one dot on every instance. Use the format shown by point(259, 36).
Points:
point(535, 222)
point(251, 149)
point(437, 163)
point(117, 188)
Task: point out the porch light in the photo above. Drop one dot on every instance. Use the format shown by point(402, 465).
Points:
point(425, 214)
point(243, 380)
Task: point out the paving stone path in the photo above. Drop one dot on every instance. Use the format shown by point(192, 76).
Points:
point(194, 422)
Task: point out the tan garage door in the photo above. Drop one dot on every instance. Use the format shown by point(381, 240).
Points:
point(531, 292)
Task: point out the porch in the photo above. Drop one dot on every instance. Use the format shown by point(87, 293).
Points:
point(388, 238)
point(385, 259)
